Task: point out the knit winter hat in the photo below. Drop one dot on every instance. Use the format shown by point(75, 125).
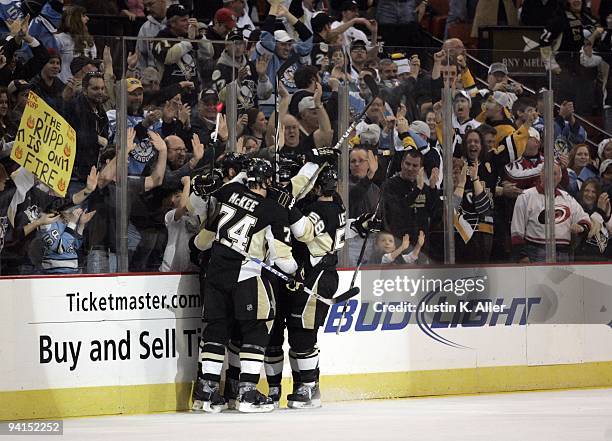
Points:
point(602, 146)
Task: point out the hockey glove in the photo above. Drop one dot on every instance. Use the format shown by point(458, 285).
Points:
point(320, 156)
point(366, 224)
point(296, 285)
point(283, 197)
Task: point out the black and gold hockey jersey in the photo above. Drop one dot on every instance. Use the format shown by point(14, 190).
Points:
point(321, 232)
point(253, 224)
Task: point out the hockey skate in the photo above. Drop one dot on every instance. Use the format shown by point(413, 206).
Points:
point(306, 397)
point(250, 400)
point(206, 397)
point(230, 393)
point(275, 395)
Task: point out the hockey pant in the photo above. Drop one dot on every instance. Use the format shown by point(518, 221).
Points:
point(302, 315)
point(246, 308)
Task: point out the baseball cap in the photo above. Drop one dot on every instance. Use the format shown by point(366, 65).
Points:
point(210, 94)
point(498, 67)
point(176, 11)
point(369, 134)
point(463, 94)
point(319, 20)
point(604, 166)
point(502, 99)
point(226, 16)
point(282, 36)
point(133, 84)
point(80, 62)
point(235, 35)
point(402, 65)
point(533, 133)
point(358, 43)
point(421, 128)
point(403, 68)
point(348, 5)
point(17, 86)
point(306, 103)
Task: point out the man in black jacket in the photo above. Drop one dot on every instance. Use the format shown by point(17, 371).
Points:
point(87, 117)
point(46, 84)
point(409, 206)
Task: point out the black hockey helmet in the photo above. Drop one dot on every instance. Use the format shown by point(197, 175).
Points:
point(328, 181)
point(205, 184)
point(233, 160)
point(259, 171)
point(287, 168)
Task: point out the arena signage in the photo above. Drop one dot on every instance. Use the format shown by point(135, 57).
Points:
point(65, 332)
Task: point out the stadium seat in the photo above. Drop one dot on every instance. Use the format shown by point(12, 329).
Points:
point(462, 31)
point(438, 21)
point(595, 4)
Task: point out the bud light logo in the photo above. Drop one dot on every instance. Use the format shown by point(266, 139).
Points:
point(431, 313)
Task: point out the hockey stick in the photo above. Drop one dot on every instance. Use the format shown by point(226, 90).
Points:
point(339, 299)
point(371, 83)
point(213, 137)
point(363, 248)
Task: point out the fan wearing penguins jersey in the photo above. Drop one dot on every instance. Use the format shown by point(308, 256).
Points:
point(236, 291)
point(233, 64)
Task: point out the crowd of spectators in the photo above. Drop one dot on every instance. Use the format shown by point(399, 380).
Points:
point(289, 69)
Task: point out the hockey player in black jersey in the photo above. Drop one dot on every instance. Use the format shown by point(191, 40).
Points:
point(321, 229)
point(236, 291)
point(322, 234)
point(232, 169)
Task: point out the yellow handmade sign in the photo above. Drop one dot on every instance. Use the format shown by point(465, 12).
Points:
point(45, 144)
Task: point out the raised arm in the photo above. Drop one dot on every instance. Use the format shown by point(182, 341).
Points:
point(157, 177)
point(324, 134)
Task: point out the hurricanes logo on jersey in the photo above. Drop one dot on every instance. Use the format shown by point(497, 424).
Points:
point(562, 213)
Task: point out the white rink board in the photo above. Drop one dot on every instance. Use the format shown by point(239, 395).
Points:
point(39, 308)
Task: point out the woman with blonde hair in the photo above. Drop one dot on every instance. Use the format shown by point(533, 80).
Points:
point(73, 38)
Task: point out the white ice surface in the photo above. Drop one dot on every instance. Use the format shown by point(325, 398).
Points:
point(574, 415)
